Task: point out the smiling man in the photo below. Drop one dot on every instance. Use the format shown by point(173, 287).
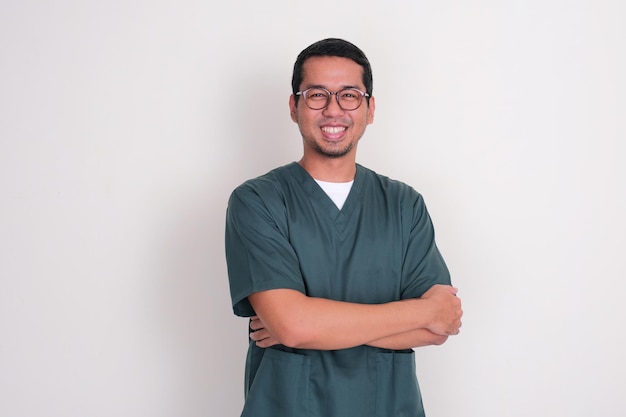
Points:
point(335, 265)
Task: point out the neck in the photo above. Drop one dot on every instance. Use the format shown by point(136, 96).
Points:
point(330, 169)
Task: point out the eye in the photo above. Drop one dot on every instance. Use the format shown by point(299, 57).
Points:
point(350, 95)
point(317, 94)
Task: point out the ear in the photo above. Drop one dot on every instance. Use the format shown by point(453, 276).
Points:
point(293, 108)
point(370, 111)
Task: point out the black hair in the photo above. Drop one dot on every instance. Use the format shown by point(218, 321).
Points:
point(332, 47)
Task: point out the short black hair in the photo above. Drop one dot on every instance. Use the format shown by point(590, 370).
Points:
point(333, 47)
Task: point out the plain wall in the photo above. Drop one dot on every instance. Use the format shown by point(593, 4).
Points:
point(125, 125)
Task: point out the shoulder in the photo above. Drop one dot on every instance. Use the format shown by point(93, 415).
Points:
point(270, 180)
point(267, 187)
point(390, 188)
point(264, 198)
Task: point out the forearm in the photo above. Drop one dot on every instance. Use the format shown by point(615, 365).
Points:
point(296, 320)
point(407, 340)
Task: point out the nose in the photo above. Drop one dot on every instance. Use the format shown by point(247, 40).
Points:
point(333, 105)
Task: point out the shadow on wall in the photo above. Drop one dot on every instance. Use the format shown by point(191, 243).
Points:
point(205, 340)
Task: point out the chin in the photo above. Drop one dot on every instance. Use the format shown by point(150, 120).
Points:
point(335, 153)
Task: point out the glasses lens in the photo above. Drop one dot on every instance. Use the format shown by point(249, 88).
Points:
point(319, 98)
point(349, 99)
point(316, 98)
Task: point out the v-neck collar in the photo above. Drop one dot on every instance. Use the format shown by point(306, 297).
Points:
point(319, 196)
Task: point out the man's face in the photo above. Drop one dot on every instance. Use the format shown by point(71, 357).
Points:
point(331, 132)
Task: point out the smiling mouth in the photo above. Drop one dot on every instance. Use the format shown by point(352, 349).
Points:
point(333, 130)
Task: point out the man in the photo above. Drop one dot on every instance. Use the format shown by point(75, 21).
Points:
point(335, 265)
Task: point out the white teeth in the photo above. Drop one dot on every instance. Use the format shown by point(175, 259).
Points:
point(333, 129)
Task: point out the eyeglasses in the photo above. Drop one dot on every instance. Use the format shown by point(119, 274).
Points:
point(318, 98)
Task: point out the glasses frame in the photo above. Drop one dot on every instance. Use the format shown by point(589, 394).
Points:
point(330, 93)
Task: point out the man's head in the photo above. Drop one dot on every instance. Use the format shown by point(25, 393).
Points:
point(332, 47)
point(334, 78)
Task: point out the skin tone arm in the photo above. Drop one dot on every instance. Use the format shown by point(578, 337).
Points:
point(407, 340)
point(293, 319)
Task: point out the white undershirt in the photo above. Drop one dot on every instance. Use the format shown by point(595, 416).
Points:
point(337, 191)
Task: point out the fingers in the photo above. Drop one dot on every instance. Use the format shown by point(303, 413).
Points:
point(259, 333)
point(456, 329)
point(256, 323)
point(263, 338)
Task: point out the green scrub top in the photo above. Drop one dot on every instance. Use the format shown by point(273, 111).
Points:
point(283, 231)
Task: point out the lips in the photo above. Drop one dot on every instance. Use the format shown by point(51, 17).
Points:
point(333, 130)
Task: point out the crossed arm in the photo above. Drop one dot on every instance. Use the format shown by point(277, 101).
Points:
point(293, 319)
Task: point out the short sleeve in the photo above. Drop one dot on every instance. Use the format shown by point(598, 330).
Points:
point(423, 264)
point(258, 254)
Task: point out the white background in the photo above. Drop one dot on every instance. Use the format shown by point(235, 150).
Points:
point(125, 125)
